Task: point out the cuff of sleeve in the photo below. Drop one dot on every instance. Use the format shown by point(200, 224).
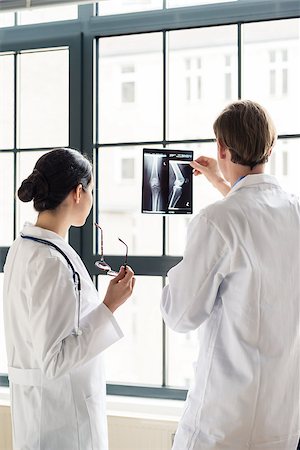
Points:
point(99, 330)
point(112, 318)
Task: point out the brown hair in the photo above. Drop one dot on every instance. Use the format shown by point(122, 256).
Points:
point(247, 130)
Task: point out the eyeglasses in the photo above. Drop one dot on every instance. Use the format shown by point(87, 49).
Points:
point(101, 264)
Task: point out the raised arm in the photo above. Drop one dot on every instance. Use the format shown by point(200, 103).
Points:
point(209, 167)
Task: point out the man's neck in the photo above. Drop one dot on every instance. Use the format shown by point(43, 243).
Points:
point(240, 171)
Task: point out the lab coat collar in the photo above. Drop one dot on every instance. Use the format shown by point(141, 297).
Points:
point(254, 180)
point(31, 230)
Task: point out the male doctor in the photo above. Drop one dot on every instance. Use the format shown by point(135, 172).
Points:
point(239, 282)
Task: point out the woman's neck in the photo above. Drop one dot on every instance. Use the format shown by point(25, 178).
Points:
point(53, 221)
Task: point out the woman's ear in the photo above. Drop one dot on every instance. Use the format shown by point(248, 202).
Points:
point(77, 193)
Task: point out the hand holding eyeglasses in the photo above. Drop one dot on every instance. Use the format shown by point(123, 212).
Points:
point(102, 264)
point(120, 288)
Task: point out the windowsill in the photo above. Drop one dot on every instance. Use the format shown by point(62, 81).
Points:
point(145, 408)
point(135, 407)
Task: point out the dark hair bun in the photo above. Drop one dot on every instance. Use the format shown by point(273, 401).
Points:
point(54, 176)
point(34, 187)
point(26, 190)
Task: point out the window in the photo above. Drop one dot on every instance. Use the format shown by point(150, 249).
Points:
point(193, 79)
point(201, 76)
point(272, 164)
point(128, 83)
point(7, 20)
point(127, 168)
point(128, 91)
point(228, 78)
point(7, 100)
point(285, 163)
point(44, 100)
point(49, 14)
point(198, 55)
point(3, 360)
point(278, 72)
point(33, 117)
point(271, 69)
point(159, 79)
point(107, 7)
point(181, 3)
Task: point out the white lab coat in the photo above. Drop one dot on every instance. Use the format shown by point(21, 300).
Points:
point(239, 281)
point(57, 381)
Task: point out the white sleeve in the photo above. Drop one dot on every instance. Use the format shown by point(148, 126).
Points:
point(52, 315)
point(188, 299)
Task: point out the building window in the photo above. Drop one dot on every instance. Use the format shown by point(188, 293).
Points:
point(285, 163)
point(128, 83)
point(193, 79)
point(127, 169)
point(228, 77)
point(272, 164)
point(278, 72)
point(128, 92)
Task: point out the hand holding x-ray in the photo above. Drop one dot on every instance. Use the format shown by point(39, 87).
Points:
point(210, 168)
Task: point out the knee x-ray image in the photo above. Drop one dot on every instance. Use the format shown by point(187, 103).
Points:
point(167, 181)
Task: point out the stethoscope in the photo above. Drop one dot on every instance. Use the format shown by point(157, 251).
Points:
point(76, 278)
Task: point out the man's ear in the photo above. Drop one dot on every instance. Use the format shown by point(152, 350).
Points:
point(77, 193)
point(221, 149)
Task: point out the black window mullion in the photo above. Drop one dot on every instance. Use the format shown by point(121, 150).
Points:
point(96, 133)
point(164, 219)
point(240, 54)
point(16, 127)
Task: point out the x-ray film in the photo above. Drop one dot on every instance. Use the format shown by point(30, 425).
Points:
point(167, 181)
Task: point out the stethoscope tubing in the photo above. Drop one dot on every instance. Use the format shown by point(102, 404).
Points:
point(76, 276)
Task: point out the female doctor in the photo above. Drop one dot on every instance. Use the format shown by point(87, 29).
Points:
point(56, 328)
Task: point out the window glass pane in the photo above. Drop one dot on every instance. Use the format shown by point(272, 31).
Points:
point(7, 101)
point(271, 70)
point(137, 357)
point(180, 3)
point(285, 163)
point(182, 350)
point(197, 92)
point(44, 98)
point(7, 19)
point(130, 88)
point(120, 204)
point(3, 358)
point(106, 7)
point(52, 14)
point(25, 165)
point(203, 195)
point(6, 198)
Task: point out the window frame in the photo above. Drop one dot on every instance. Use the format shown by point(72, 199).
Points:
point(82, 36)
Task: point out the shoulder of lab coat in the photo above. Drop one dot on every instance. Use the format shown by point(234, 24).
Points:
point(189, 298)
point(52, 315)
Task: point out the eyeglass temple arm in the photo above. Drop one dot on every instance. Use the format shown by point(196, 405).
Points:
point(101, 241)
point(126, 255)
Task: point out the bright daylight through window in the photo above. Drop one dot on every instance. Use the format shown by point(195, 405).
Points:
point(158, 83)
